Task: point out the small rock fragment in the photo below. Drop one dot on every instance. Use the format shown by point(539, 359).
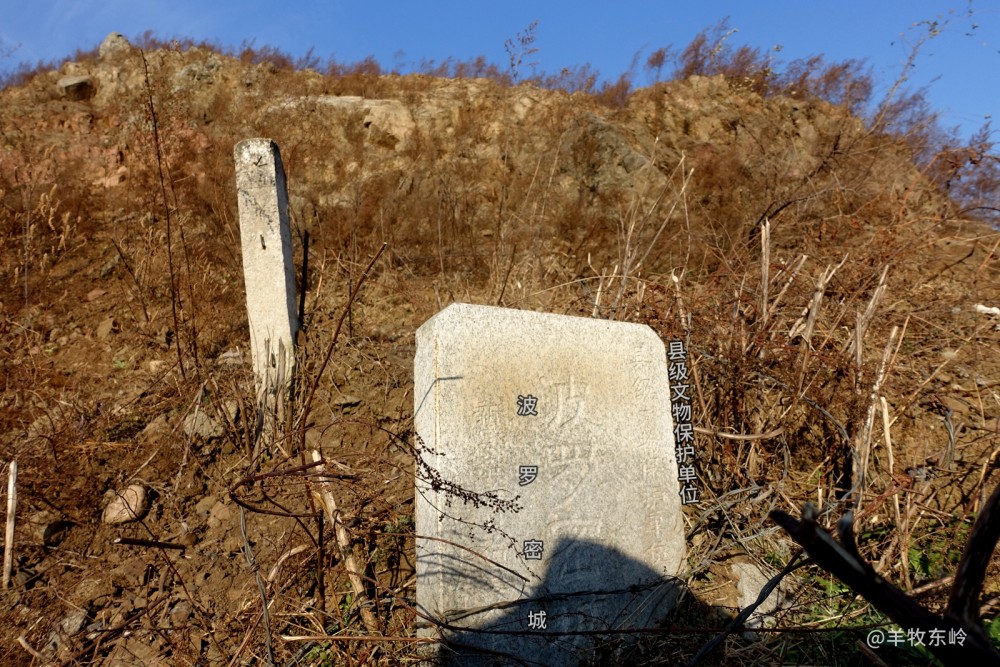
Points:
point(219, 515)
point(230, 358)
point(106, 327)
point(129, 505)
point(347, 401)
point(181, 612)
point(987, 310)
point(205, 505)
point(231, 410)
point(73, 622)
point(95, 591)
point(203, 426)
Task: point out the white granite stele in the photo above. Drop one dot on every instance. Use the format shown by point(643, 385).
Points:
point(562, 426)
point(268, 269)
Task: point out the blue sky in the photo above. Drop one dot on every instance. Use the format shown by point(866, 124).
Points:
point(961, 64)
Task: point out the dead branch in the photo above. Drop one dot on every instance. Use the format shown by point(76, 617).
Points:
point(843, 560)
point(351, 565)
point(8, 545)
point(964, 602)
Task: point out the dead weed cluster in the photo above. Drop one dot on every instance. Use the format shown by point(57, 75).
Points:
point(825, 284)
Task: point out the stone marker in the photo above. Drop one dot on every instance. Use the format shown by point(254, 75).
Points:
point(546, 495)
point(268, 270)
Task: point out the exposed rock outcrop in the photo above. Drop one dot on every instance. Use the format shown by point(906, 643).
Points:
point(113, 45)
point(76, 87)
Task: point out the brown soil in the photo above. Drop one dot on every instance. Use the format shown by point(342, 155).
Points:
point(123, 322)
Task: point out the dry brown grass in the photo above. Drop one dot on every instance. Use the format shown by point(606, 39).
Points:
point(786, 255)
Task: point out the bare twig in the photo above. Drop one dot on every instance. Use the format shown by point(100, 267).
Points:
point(304, 419)
point(807, 322)
point(153, 544)
point(30, 649)
point(630, 259)
point(189, 436)
point(357, 638)
point(273, 574)
point(166, 213)
point(262, 588)
point(739, 436)
point(765, 270)
point(902, 531)
point(854, 345)
point(8, 545)
point(793, 272)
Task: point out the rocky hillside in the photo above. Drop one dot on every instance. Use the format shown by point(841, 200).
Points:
point(813, 266)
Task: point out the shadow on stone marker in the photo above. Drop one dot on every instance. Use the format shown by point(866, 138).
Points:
point(588, 590)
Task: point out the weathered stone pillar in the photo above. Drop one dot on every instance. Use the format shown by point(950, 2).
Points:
point(268, 270)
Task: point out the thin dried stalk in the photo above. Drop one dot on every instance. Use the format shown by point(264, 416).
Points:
point(865, 320)
point(685, 324)
point(791, 278)
point(31, 649)
point(325, 496)
point(261, 587)
point(358, 638)
point(8, 545)
point(631, 261)
point(806, 328)
point(765, 266)
point(174, 291)
point(739, 436)
point(902, 534)
point(864, 445)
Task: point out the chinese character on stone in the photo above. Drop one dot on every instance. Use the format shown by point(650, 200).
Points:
point(533, 550)
point(526, 406)
point(536, 620)
point(683, 433)
point(678, 372)
point(686, 473)
point(568, 405)
point(681, 412)
point(684, 454)
point(689, 495)
point(527, 475)
point(679, 393)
